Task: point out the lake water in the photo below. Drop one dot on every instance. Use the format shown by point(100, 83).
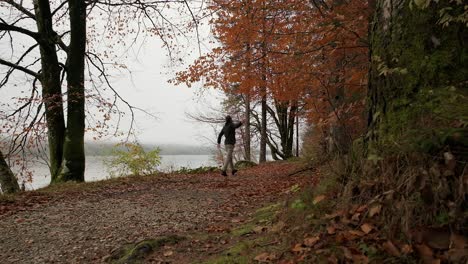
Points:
point(96, 170)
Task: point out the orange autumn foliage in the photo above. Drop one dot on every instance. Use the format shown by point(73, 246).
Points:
point(314, 52)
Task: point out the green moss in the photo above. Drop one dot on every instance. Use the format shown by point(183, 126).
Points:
point(185, 170)
point(244, 164)
point(266, 214)
point(262, 216)
point(242, 252)
point(135, 253)
point(418, 92)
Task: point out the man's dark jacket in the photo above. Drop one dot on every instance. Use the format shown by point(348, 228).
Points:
point(229, 132)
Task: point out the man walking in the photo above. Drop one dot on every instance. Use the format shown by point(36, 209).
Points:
point(229, 132)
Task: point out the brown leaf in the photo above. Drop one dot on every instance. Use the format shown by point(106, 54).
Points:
point(367, 228)
point(356, 233)
point(375, 210)
point(168, 253)
point(436, 239)
point(334, 215)
point(360, 259)
point(390, 248)
point(331, 230)
point(458, 241)
point(311, 241)
point(259, 229)
point(355, 217)
point(406, 249)
point(278, 227)
point(425, 252)
point(318, 199)
point(299, 248)
point(265, 257)
point(361, 208)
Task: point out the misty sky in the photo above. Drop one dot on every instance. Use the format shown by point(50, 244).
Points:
point(147, 88)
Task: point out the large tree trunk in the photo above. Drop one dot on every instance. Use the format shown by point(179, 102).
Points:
point(8, 182)
point(73, 165)
point(417, 82)
point(51, 86)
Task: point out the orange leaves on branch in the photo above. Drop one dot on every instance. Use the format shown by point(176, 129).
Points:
point(293, 51)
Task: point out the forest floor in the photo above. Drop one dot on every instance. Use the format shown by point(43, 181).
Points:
point(100, 221)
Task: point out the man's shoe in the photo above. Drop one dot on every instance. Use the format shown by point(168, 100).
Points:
point(234, 172)
point(223, 173)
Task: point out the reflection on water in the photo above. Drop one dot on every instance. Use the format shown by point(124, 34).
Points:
point(96, 170)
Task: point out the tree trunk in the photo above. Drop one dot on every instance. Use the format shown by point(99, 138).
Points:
point(263, 130)
point(51, 86)
point(417, 79)
point(8, 182)
point(247, 128)
point(297, 135)
point(284, 118)
point(73, 165)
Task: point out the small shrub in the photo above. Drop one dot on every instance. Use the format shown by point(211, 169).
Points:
point(132, 159)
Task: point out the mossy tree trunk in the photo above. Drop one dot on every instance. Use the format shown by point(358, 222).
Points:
point(417, 84)
point(8, 182)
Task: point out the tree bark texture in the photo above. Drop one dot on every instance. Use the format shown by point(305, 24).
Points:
point(51, 86)
point(8, 181)
point(73, 165)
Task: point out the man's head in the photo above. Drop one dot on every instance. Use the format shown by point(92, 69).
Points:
point(228, 119)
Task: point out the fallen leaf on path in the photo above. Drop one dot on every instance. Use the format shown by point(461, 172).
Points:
point(356, 233)
point(334, 215)
point(424, 251)
point(278, 227)
point(391, 249)
point(168, 253)
point(331, 230)
point(299, 248)
point(458, 241)
point(259, 229)
point(406, 249)
point(361, 208)
point(375, 210)
point(265, 257)
point(355, 217)
point(367, 228)
point(361, 259)
point(318, 199)
point(311, 241)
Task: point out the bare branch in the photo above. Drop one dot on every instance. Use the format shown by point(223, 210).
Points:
point(20, 68)
point(7, 27)
point(20, 8)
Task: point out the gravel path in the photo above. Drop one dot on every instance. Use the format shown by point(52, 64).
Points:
point(84, 223)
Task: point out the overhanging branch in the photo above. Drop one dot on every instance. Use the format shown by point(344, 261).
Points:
point(20, 68)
